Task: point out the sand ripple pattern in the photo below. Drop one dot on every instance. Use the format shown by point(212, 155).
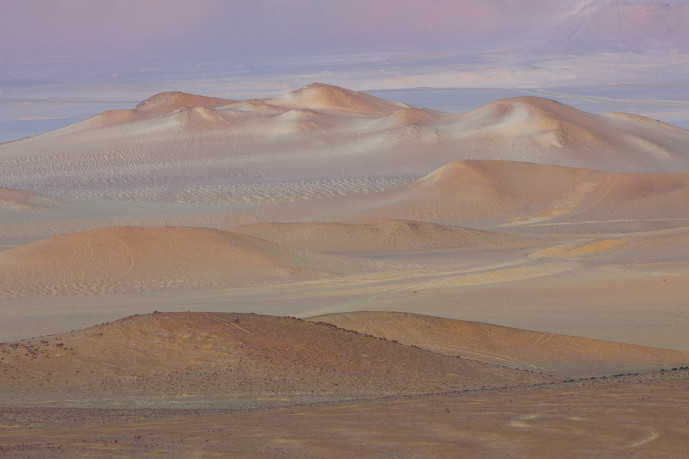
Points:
point(244, 193)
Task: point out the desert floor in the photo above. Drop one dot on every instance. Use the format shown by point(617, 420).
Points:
point(525, 268)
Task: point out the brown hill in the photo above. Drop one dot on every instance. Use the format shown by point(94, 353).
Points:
point(377, 237)
point(117, 259)
point(537, 351)
point(227, 360)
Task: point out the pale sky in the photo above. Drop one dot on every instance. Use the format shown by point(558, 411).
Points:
point(40, 29)
point(360, 43)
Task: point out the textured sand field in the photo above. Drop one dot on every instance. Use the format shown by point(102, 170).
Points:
point(459, 232)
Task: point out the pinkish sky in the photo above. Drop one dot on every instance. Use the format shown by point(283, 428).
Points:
point(404, 43)
point(39, 29)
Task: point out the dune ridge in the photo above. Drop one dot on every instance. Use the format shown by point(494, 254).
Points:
point(556, 130)
point(158, 105)
point(550, 353)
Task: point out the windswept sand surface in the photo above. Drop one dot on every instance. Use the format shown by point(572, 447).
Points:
point(526, 214)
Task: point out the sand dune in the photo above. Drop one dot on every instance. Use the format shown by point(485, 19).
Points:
point(413, 117)
point(21, 199)
point(200, 118)
point(155, 106)
point(119, 259)
point(543, 130)
point(327, 98)
point(547, 352)
point(167, 102)
point(378, 237)
point(228, 360)
point(112, 118)
point(484, 193)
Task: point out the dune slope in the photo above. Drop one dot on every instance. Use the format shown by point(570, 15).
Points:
point(118, 259)
point(547, 352)
point(377, 237)
point(498, 192)
point(547, 131)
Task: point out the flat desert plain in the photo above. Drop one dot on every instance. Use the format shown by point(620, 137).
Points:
point(327, 273)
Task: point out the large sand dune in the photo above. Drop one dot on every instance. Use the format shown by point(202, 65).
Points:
point(546, 131)
point(119, 259)
point(327, 98)
point(485, 193)
point(547, 352)
point(155, 106)
point(228, 360)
